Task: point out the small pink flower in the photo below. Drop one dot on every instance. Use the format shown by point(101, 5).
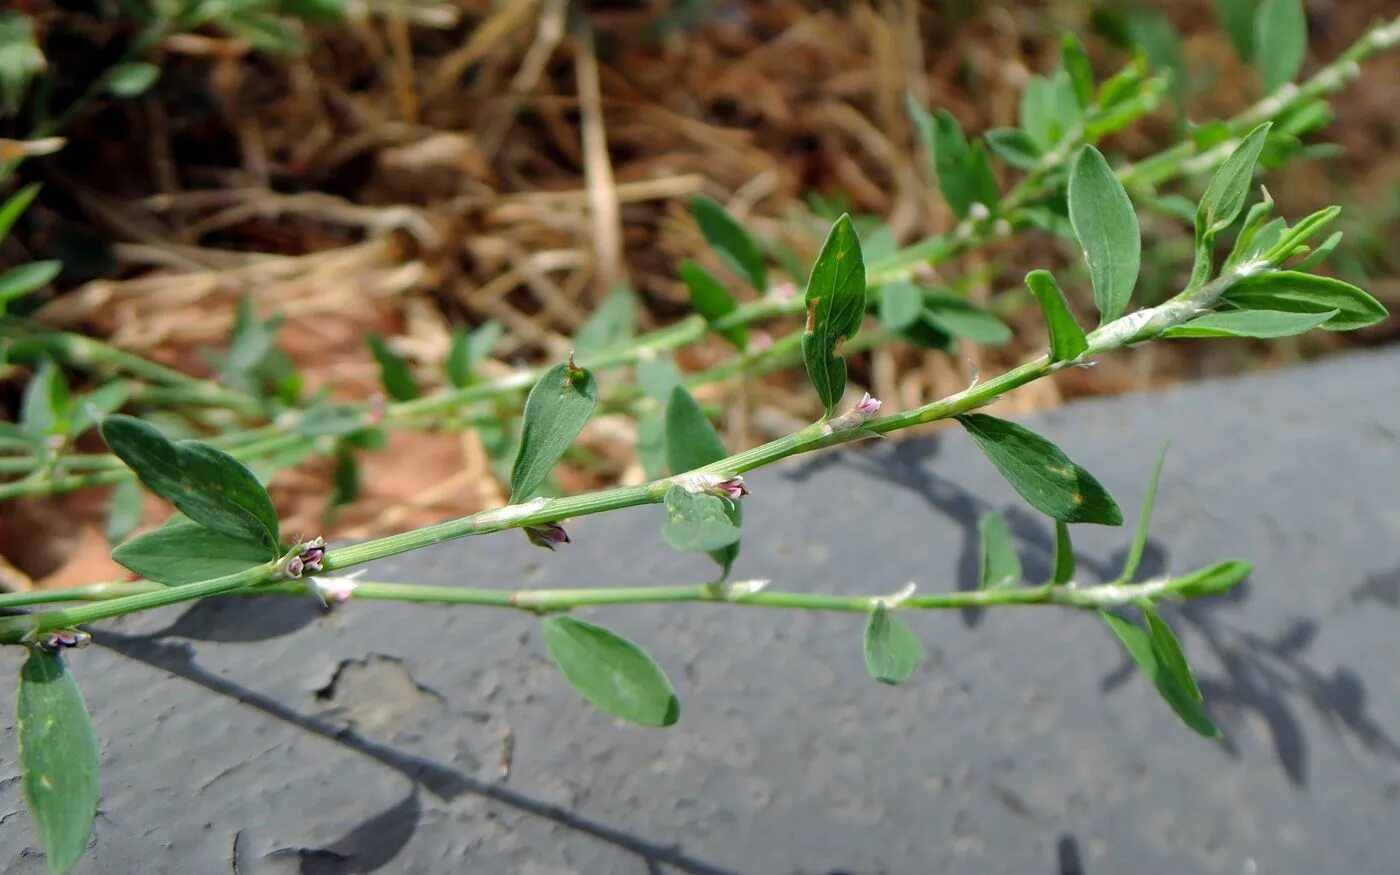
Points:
point(313, 552)
point(760, 341)
point(784, 291)
point(732, 488)
point(865, 409)
point(63, 639)
point(547, 535)
point(867, 406)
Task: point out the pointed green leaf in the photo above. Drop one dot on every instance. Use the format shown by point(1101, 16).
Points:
point(132, 79)
point(1000, 566)
point(44, 411)
point(1107, 228)
point(57, 757)
point(1130, 567)
point(20, 60)
point(901, 305)
point(1237, 20)
point(1169, 651)
point(651, 444)
point(210, 487)
point(611, 325)
point(735, 247)
point(1041, 473)
point(556, 410)
point(1066, 337)
point(1212, 580)
point(1319, 255)
point(892, 650)
point(1296, 292)
point(1280, 41)
point(698, 522)
point(943, 137)
point(835, 307)
point(658, 376)
point(394, 374)
point(981, 178)
point(954, 315)
point(124, 506)
point(1250, 323)
point(1014, 146)
point(1225, 197)
point(1037, 113)
point(186, 552)
point(611, 672)
point(1141, 648)
point(691, 442)
point(1075, 61)
point(712, 300)
point(324, 419)
point(468, 349)
point(1063, 571)
point(17, 203)
point(90, 409)
point(22, 280)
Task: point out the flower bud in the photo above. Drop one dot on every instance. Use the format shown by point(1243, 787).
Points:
point(547, 535)
point(63, 639)
point(865, 409)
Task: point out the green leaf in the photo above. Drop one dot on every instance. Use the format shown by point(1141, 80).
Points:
point(44, 411)
point(1064, 556)
point(324, 419)
point(952, 160)
point(611, 325)
point(1143, 651)
point(1014, 146)
point(1319, 255)
point(892, 650)
point(658, 376)
point(394, 374)
point(11, 210)
point(26, 278)
point(1066, 337)
point(20, 59)
point(345, 480)
point(651, 444)
point(1225, 197)
point(1237, 20)
point(712, 300)
point(1296, 292)
point(186, 552)
point(1000, 566)
point(835, 307)
point(611, 672)
point(901, 305)
point(697, 522)
point(953, 315)
point(1212, 580)
point(691, 442)
point(1250, 323)
point(1075, 61)
point(468, 349)
point(315, 10)
point(982, 178)
point(1130, 567)
point(1107, 228)
point(1037, 113)
point(90, 409)
point(1041, 473)
point(208, 486)
point(1280, 41)
point(556, 410)
point(57, 757)
point(730, 241)
point(132, 79)
point(124, 506)
point(1169, 651)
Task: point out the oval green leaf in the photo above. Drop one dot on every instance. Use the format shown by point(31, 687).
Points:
point(394, 374)
point(735, 246)
point(186, 552)
point(692, 442)
point(132, 79)
point(1067, 340)
point(1000, 566)
point(698, 522)
point(1296, 292)
point(1013, 146)
point(611, 672)
point(955, 316)
point(556, 410)
point(835, 306)
point(892, 650)
point(1163, 672)
point(611, 325)
point(901, 305)
point(57, 757)
point(208, 486)
point(1106, 226)
point(712, 300)
point(1250, 323)
point(1280, 41)
point(1042, 474)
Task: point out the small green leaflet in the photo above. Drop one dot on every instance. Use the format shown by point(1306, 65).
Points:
point(1296, 292)
point(124, 506)
point(691, 442)
point(132, 79)
point(960, 179)
point(22, 280)
point(1013, 146)
point(1280, 41)
point(1228, 188)
point(611, 325)
point(44, 411)
point(556, 410)
point(1149, 498)
point(1213, 579)
point(835, 306)
point(1066, 337)
point(1063, 570)
point(697, 522)
point(1237, 20)
point(1250, 323)
point(1041, 473)
point(1000, 566)
point(658, 376)
point(651, 443)
point(1169, 650)
point(892, 650)
point(1107, 228)
point(90, 409)
point(712, 300)
point(186, 552)
point(324, 419)
point(394, 374)
point(468, 349)
point(1165, 671)
point(611, 672)
point(955, 316)
point(1037, 113)
point(57, 757)
point(901, 305)
point(17, 204)
point(1319, 255)
point(20, 59)
point(730, 241)
point(1075, 62)
point(210, 487)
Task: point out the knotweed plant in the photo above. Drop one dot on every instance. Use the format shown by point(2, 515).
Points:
point(226, 538)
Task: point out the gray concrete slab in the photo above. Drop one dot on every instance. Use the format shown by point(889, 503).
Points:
point(263, 737)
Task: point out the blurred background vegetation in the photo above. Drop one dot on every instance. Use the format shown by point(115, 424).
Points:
point(408, 167)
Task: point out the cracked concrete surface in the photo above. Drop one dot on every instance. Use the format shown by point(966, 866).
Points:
point(265, 737)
